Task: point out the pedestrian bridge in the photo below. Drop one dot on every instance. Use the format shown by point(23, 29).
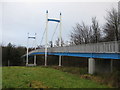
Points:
point(105, 50)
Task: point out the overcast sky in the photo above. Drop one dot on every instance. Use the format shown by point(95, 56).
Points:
point(19, 18)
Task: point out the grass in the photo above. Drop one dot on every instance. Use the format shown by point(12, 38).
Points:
point(0, 77)
point(109, 79)
point(73, 70)
point(41, 77)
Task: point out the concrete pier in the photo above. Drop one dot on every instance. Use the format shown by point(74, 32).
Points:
point(91, 66)
point(100, 66)
point(60, 60)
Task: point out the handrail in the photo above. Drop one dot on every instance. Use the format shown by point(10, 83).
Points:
point(102, 47)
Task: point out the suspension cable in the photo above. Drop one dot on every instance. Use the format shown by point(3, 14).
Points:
point(54, 31)
point(52, 35)
point(42, 36)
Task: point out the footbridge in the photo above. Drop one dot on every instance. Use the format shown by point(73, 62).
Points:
point(105, 50)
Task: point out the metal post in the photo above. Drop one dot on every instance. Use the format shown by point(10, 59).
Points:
point(35, 49)
point(60, 42)
point(27, 51)
point(60, 36)
point(46, 38)
point(116, 46)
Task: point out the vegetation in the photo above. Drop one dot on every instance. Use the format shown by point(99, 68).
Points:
point(73, 70)
point(111, 27)
point(110, 79)
point(41, 77)
point(12, 55)
point(83, 33)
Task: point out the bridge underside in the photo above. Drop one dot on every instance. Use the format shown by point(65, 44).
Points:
point(88, 55)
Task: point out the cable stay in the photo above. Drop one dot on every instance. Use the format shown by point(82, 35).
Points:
point(54, 32)
point(42, 36)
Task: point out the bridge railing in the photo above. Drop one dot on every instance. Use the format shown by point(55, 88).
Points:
point(103, 47)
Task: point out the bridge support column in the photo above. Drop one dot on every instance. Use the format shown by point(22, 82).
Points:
point(91, 66)
point(27, 60)
point(101, 66)
point(35, 60)
point(60, 60)
point(46, 59)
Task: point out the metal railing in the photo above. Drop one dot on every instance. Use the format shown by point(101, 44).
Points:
point(103, 47)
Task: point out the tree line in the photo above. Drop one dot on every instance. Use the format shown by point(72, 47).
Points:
point(11, 55)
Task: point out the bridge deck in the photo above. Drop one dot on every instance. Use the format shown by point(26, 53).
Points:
point(107, 50)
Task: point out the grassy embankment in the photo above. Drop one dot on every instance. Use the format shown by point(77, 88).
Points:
point(109, 79)
point(41, 77)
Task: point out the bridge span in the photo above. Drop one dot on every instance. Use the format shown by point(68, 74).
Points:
point(104, 50)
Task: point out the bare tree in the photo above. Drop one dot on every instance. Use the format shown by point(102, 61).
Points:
point(40, 46)
point(95, 30)
point(80, 34)
point(111, 27)
point(50, 44)
point(57, 42)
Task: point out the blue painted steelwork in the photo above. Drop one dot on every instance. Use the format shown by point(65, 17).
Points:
point(89, 55)
point(54, 20)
